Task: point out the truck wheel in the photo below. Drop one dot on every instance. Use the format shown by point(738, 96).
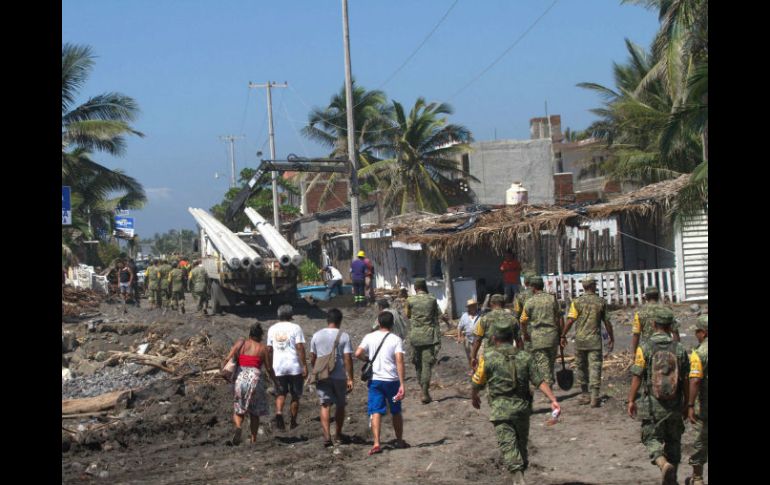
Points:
point(216, 294)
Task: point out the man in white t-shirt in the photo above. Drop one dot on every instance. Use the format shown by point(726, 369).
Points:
point(286, 347)
point(386, 389)
point(333, 280)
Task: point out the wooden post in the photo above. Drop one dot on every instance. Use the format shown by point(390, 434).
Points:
point(668, 285)
point(448, 287)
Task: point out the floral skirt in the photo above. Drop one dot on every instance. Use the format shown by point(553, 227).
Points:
point(249, 393)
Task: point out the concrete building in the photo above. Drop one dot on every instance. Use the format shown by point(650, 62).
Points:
point(498, 164)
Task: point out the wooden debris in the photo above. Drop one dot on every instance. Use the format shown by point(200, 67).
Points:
point(102, 402)
point(144, 359)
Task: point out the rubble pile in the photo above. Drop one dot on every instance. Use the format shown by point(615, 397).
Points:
point(108, 379)
point(78, 300)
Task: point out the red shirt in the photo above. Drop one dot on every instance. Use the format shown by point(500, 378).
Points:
point(511, 271)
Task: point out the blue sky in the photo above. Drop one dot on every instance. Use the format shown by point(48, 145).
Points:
point(188, 64)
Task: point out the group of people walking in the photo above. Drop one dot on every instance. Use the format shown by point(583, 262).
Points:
point(509, 351)
point(166, 284)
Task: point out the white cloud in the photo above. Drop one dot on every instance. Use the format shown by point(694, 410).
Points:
point(158, 192)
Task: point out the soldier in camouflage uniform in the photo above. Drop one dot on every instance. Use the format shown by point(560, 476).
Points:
point(198, 283)
point(425, 335)
point(642, 327)
point(520, 300)
point(507, 372)
point(698, 412)
point(541, 324)
point(153, 285)
point(165, 286)
point(483, 329)
point(662, 420)
point(589, 311)
point(176, 280)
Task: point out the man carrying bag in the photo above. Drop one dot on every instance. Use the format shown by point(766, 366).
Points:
point(332, 362)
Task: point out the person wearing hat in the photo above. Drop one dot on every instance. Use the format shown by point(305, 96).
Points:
point(588, 311)
point(399, 325)
point(425, 335)
point(153, 284)
point(521, 297)
point(507, 372)
point(198, 283)
point(661, 369)
point(698, 399)
point(165, 284)
point(466, 326)
point(541, 326)
point(642, 326)
point(482, 331)
point(176, 280)
point(358, 271)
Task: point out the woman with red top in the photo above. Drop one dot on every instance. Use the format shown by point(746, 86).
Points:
point(249, 393)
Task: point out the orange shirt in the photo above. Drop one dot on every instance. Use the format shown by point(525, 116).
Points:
point(511, 272)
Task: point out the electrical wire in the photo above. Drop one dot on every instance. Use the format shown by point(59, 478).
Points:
point(508, 49)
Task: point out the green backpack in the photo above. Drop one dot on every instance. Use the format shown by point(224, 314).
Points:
point(664, 372)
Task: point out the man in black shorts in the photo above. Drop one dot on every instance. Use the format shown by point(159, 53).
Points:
point(286, 346)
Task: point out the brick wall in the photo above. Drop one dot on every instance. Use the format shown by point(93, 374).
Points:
point(563, 192)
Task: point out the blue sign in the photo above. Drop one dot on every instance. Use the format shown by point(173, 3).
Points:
point(124, 226)
point(66, 206)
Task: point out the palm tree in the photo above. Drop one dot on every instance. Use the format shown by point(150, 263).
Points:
point(424, 152)
point(632, 123)
point(99, 124)
point(328, 126)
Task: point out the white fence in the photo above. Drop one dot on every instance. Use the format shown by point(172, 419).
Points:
point(618, 287)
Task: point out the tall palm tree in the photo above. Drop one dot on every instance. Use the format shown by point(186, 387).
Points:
point(99, 124)
point(328, 126)
point(423, 155)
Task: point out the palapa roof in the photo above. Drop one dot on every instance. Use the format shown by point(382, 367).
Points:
point(448, 234)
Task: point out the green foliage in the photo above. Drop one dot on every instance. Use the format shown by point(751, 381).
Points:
point(309, 272)
point(262, 201)
point(172, 241)
point(107, 253)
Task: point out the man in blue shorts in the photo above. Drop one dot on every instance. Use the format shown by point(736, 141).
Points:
point(386, 389)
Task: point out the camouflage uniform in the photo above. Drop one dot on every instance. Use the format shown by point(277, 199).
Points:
point(198, 287)
point(662, 424)
point(424, 336)
point(520, 301)
point(176, 280)
point(542, 314)
point(153, 285)
point(165, 285)
point(643, 320)
point(510, 405)
point(699, 368)
point(484, 326)
point(588, 311)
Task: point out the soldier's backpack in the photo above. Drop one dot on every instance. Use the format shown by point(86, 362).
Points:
point(511, 358)
point(664, 372)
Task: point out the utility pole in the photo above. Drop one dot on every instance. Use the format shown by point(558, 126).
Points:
point(355, 220)
point(269, 85)
point(231, 139)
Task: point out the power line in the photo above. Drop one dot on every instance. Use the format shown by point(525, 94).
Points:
point(500, 57)
point(419, 46)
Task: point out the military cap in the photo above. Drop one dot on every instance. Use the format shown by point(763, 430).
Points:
point(651, 290)
point(535, 280)
point(702, 323)
point(589, 280)
point(419, 281)
point(664, 316)
point(502, 329)
point(497, 298)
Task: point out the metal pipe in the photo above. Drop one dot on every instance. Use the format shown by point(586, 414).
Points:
point(235, 252)
point(283, 251)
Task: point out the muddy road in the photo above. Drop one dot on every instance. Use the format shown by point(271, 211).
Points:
point(175, 426)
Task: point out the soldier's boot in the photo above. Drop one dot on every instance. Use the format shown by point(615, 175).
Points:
point(667, 471)
point(518, 478)
point(595, 399)
point(425, 394)
point(697, 476)
point(181, 308)
point(584, 398)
